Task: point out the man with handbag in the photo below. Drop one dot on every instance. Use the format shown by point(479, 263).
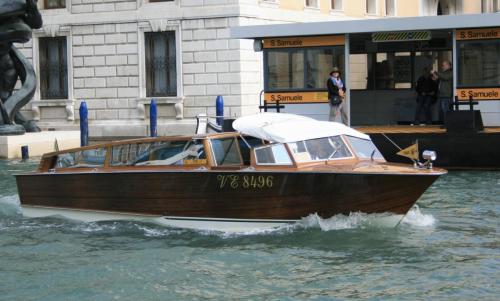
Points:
point(336, 96)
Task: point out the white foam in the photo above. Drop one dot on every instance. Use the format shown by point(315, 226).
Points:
point(356, 220)
point(415, 217)
point(10, 205)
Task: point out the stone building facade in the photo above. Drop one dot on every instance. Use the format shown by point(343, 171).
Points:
point(112, 53)
point(118, 54)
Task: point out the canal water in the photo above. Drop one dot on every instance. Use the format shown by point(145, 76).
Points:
point(447, 249)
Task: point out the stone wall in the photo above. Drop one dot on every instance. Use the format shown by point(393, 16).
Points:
point(106, 65)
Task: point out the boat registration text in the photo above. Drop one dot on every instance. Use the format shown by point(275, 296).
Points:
point(246, 181)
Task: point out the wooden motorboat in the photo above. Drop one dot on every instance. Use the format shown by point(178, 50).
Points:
point(275, 169)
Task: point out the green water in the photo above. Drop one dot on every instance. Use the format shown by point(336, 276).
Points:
point(448, 249)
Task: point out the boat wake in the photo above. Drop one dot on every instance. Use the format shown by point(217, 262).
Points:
point(10, 207)
point(357, 220)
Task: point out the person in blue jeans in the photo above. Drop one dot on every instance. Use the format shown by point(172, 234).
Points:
point(445, 77)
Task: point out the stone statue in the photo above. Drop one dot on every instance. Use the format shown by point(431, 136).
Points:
point(17, 19)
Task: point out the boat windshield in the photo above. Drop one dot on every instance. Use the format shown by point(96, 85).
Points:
point(226, 151)
point(365, 148)
point(328, 148)
point(176, 152)
point(274, 154)
point(82, 159)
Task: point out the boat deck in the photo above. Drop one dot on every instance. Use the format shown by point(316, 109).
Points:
point(407, 129)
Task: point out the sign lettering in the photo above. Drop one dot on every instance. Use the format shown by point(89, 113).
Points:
point(296, 42)
point(296, 97)
point(479, 94)
point(478, 34)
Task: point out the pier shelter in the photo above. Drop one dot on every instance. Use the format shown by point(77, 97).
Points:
point(380, 60)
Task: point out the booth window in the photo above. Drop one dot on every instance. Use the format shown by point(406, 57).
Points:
point(161, 74)
point(478, 63)
point(393, 70)
point(301, 69)
point(53, 68)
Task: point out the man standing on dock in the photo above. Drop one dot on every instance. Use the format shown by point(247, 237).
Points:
point(445, 88)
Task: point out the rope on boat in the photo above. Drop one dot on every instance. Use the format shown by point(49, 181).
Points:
point(394, 143)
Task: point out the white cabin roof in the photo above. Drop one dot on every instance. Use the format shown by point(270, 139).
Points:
point(284, 128)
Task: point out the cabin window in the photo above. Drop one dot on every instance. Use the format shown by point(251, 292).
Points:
point(159, 153)
point(226, 152)
point(246, 144)
point(81, 159)
point(272, 155)
point(328, 148)
point(365, 148)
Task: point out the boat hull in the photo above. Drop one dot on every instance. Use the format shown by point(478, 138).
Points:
point(282, 196)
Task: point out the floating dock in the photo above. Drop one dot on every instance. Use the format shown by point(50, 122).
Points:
point(479, 150)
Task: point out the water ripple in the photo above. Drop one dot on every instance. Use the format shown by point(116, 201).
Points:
point(445, 249)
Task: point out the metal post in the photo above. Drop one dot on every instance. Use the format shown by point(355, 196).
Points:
point(84, 124)
point(153, 116)
point(219, 109)
point(347, 78)
point(454, 63)
point(25, 155)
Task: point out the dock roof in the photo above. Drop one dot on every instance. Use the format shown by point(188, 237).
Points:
point(367, 25)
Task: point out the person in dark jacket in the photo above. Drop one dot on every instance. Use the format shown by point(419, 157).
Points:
point(427, 89)
point(336, 96)
point(445, 88)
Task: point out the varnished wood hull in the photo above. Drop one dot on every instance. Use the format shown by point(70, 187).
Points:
point(216, 194)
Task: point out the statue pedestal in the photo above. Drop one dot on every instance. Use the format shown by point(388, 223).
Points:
point(38, 143)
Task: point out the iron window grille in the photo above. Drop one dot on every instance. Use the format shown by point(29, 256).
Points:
point(161, 73)
point(53, 68)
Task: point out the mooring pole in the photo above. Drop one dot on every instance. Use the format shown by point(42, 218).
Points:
point(84, 124)
point(219, 109)
point(153, 116)
point(25, 155)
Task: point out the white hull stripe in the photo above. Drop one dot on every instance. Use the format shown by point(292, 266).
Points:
point(210, 224)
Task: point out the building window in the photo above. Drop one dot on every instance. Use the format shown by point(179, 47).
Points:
point(301, 69)
point(490, 6)
point(478, 64)
point(390, 7)
point(51, 4)
point(161, 73)
point(371, 7)
point(312, 3)
point(53, 68)
point(336, 4)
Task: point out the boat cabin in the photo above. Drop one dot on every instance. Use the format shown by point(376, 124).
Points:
point(260, 146)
